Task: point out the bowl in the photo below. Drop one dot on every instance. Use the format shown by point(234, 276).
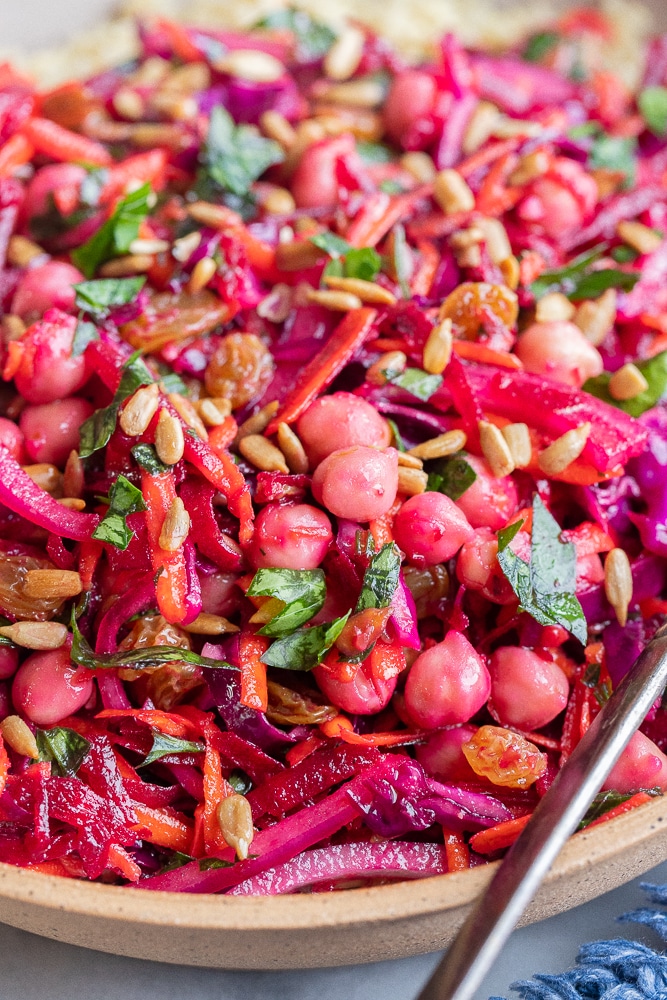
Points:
point(305, 930)
point(321, 929)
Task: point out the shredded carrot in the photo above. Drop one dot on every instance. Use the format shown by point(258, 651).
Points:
point(16, 151)
point(458, 853)
point(167, 723)
point(497, 838)
point(471, 350)
point(321, 370)
point(166, 827)
point(148, 166)
point(221, 437)
point(63, 145)
point(338, 726)
point(159, 493)
point(179, 39)
point(303, 749)
point(15, 352)
point(254, 693)
point(425, 272)
point(381, 739)
point(488, 155)
point(127, 866)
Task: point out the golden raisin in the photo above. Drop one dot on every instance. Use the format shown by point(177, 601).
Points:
point(168, 684)
point(13, 602)
point(174, 317)
point(504, 757)
point(240, 369)
point(463, 306)
point(291, 708)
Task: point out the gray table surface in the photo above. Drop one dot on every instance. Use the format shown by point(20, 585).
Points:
point(33, 968)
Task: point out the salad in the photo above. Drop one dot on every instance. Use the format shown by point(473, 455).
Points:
point(333, 493)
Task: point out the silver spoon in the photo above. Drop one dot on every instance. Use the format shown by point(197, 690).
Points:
point(498, 909)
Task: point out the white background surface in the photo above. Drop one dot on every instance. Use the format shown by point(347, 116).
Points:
point(32, 968)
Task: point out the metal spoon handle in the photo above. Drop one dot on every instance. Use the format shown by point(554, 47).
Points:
point(557, 816)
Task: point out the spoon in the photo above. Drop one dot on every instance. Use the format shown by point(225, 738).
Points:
point(557, 816)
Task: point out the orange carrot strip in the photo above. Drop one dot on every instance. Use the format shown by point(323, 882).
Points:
point(4, 765)
point(15, 352)
point(458, 853)
point(215, 789)
point(487, 155)
point(51, 868)
point(223, 473)
point(166, 827)
point(321, 370)
point(179, 40)
point(470, 350)
point(337, 726)
point(422, 279)
point(148, 166)
point(381, 739)
point(90, 552)
point(639, 799)
point(379, 213)
point(159, 492)
point(63, 145)
point(222, 436)
point(171, 725)
point(303, 749)
point(14, 153)
point(254, 692)
point(494, 197)
point(127, 866)
point(497, 838)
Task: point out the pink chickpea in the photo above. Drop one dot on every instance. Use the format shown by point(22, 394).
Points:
point(430, 528)
point(291, 537)
point(340, 421)
point(51, 430)
point(315, 182)
point(411, 96)
point(358, 483)
point(491, 500)
point(561, 201)
point(447, 683)
point(526, 690)
point(365, 694)
point(48, 371)
point(559, 350)
point(48, 687)
point(47, 286)
point(641, 765)
point(11, 438)
point(441, 756)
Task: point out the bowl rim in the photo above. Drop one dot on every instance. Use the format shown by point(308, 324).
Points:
point(375, 904)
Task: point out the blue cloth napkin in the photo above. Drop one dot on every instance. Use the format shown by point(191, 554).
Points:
point(619, 969)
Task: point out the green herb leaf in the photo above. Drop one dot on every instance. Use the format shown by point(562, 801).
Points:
point(236, 155)
point(163, 745)
point(401, 260)
point(380, 579)
point(97, 430)
point(591, 679)
point(654, 371)
point(124, 499)
point(145, 455)
point(362, 262)
point(134, 659)
point(313, 39)
point(591, 286)
point(114, 237)
point(302, 592)
point(606, 801)
point(305, 648)
point(103, 294)
point(177, 860)
point(333, 245)
point(540, 45)
point(397, 440)
point(240, 782)
point(451, 476)
point(85, 333)
point(419, 383)
point(64, 748)
point(374, 152)
point(545, 586)
point(652, 103)
point(210, 864)
point(611, 152)
point(623, 255)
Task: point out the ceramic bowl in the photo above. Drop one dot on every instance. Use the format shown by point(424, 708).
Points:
point(321, 929)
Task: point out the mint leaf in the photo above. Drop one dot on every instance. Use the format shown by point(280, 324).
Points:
point(85, 333)
point(236, 155)
point(103, 294)
point(591, 286)
point(164, 745)
point(114, 236)
point(451, 476)
point(565, 279)
point(652, 103)
point(302, 591)
point(313, 39)
point(145, 456)
point(210, 864)
point(333, 245)
point(305, 648)
point(380, 579)
point(64, 748)
point(134, 659)
point(540, 45)
point(606, 801)
point(611, 152)
point(417, 382)
point(124, 499)
point(177, 860)
point(362, 262)
point(654, 371)
point(375, 152)
point(545, 586)
point(97, 430)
